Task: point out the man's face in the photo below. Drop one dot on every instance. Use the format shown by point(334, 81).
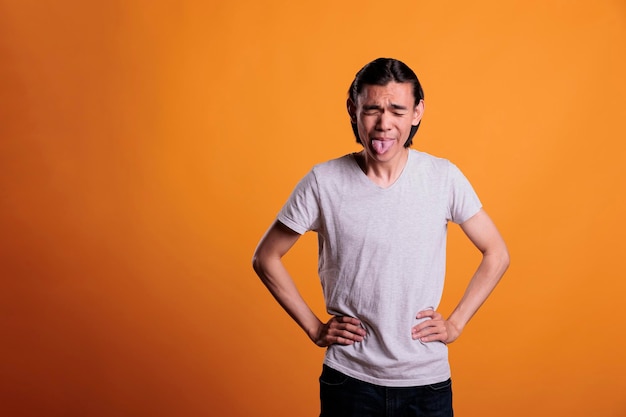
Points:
point(384, 115)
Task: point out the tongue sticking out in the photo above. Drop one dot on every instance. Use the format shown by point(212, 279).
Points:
point(381, 146)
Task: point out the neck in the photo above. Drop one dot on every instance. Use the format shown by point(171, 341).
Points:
point(383, 173)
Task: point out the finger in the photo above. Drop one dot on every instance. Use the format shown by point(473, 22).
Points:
point(428, 313)
point(343, 337)
point(424, 314)
point(343, 341)
point(350, 324)
point(358, 330)
point(431, 323)
point(439, 337)
point(347, 334)
point(347, 320)
point(427, 329)
point(334, 328)
point(430, 336)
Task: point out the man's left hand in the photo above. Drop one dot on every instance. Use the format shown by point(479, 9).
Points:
point(434, 329)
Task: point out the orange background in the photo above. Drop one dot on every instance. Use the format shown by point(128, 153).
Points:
point(145, 146)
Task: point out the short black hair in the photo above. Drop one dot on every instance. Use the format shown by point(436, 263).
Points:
point(382, 71)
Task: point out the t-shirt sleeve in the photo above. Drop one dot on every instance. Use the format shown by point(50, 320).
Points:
point(464, 202)
point(301, 211)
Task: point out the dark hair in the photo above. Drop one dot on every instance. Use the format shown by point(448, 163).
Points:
point(382, 71)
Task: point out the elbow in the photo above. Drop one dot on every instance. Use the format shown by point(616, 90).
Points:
point(499, 258)
point(257, 263)
point(505, 259)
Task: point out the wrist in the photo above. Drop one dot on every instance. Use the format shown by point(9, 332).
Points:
point(314, 331)
point(456, 323)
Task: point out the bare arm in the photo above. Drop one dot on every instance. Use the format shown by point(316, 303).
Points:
point(495, 260)
point(267, 263)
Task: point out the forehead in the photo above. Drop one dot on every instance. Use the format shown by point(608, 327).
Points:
point(400, 93)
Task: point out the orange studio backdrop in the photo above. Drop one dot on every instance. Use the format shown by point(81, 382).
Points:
point(145, 146)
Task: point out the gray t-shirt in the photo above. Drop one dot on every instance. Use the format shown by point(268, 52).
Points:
point(382, 255)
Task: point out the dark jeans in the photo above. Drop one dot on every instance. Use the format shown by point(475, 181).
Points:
point(343, 396)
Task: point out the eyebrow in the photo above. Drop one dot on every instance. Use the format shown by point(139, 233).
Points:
point(378, 107)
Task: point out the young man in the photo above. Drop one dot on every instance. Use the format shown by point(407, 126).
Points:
point(381, 216)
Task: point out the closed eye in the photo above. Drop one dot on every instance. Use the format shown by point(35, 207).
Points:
point(372, 109)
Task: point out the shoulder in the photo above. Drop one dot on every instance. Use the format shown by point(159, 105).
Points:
point(335, 166)
point(433, 168)
point(426, 161)
point(325, 174)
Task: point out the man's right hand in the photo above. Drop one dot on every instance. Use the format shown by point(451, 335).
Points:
point(340, 330)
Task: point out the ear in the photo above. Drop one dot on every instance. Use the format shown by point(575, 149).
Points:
point(351, 107)
point(418, 113)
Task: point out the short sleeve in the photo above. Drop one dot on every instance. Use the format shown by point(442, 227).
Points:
point(464, 202)
point(302, 210)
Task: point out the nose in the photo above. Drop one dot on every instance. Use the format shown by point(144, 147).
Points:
point(384, 121)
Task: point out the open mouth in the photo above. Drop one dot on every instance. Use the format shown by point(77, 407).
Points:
point(381, 146)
